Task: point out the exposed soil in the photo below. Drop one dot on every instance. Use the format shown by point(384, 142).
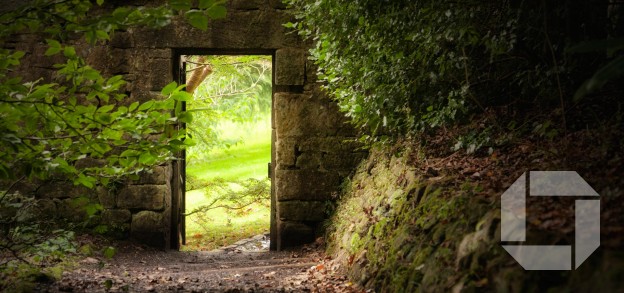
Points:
point(141, 269)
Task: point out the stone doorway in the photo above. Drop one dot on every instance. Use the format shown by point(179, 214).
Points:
point(188, 72)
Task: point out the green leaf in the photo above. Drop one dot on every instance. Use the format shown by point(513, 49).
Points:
point(18, 54)
point(145, 106)
point(52, 51)
point(203, 4)
point(70, 52)
point(86, 181)
point(53, 43)
point(189, 141)
point(147, 158)
point(168, 89)
point(109, 252)
point(217, 12)
point(102, 35)
point(185, 117)
point(133, 106)
point(92, 209)
point(180, 4)
point(91, 74)
point(106, 108)
point(100, 2)
point(130, 153)
point(197, 19)
point(182, 96)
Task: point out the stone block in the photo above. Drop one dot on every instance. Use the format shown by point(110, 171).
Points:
point(294, 234)
point(105, 58)
point(63, 190)
point(47, 208)
point(281, 36)
point(309, 160)
point(277, 4)
point(106, 197)
point(342, 161)
point(293, 114)
point(246, 4)
point(335, 144)
point(285, 150)
point(160, 73)
point(290, 66)
point(116, 216)
point(147, 227)
point(159, 175)
point(90, 163)
point(122, 40)
point(143, 197)
point(306, 115)
point(71, 210)
point(305, 184)
point(307, 211)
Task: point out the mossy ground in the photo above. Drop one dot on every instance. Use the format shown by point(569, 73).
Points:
point(417, 217)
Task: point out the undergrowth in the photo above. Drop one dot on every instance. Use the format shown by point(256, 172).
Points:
point(37, 246)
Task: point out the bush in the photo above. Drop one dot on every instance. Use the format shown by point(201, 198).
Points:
point(400, 67)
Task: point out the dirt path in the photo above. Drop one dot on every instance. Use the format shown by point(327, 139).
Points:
point(139, 269)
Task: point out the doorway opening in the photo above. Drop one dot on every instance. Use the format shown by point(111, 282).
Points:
point(226, 189)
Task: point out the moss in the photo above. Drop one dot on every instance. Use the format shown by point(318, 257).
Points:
point(405, 233)
point(396, 223)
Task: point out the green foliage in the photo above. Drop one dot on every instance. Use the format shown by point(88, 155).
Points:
point(109, 252)
point(401, 235)
point(474, 140)
point(232, 196)
point(402, 67)
point(32, 247)
point(611, 71)
point(47, 127)
point(77, 127)
point(226, 212)
point(238, 91)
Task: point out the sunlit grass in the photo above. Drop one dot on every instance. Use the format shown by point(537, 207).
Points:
point(222, 229)
point(245, 160)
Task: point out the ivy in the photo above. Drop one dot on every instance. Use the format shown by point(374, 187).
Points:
point(403, 67)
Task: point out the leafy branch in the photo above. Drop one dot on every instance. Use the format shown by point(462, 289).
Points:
point(223, 195)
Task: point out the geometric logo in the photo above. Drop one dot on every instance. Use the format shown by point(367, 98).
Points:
point(586, 221)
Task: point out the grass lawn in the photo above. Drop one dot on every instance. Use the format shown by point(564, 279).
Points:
point(216, 228)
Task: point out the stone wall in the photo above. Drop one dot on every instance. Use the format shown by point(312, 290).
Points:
point(310, 156)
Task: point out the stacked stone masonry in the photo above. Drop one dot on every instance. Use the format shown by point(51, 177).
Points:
point(312, 149)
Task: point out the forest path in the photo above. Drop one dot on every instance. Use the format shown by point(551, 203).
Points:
point(140, 269)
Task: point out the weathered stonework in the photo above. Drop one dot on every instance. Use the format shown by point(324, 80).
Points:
point(110, 216)
point(147, 227)
point(301, 210)
point(290, 66)
point(143, 197)
point(107, 198)
point(305, 184)
point(313, 147)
